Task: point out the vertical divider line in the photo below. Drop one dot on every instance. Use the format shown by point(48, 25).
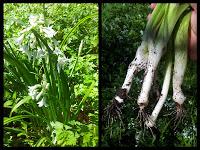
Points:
point(99, 84)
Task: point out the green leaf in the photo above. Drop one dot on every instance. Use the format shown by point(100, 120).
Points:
point(8, 103)
point(58, 125)
point(25, 100)
point(16, 130)
point(21, 134)
point(22, 70)
point(67, 127)
point(7, 120)
point(79, 52)
point(41, 141)
point(88, 92)
point(14, 95)
point(86, 139)
point(64, 92)
point(71, 138)
point(75, 27)
point(73, 123)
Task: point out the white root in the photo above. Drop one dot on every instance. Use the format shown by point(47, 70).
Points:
point(152, 119)
point(139, 63)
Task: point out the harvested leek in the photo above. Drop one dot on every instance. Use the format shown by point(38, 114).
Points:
point(165, 32)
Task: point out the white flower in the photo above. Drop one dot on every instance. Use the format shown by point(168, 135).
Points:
point(42, 102)
point(33, 94)
point(40, 53)
point(24, 49)
point(56, 43)
point(33, 20)
point(39, 95)
point(33, 90)
point(57, 52)
point(61, 62)
point(19, 39)
point(49, 32)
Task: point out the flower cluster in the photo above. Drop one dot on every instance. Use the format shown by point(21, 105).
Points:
point(62, 60)
point(40, 97)
point(28, 49)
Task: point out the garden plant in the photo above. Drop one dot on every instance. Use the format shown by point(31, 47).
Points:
point(50, 75)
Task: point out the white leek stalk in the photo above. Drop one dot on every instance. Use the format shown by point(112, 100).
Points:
point(180, 63)
point(152, 119)
point(168, 21)
point(156, 46)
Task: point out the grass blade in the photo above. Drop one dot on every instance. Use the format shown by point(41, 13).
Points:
point(16, 130)
point(79, 52)
point(15, 118)
point(84, 99)
point(41, 141)
point(75, 27)
point(25, 100)
point(22, 70)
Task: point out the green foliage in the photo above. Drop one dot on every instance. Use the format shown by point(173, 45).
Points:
point(73, 134)
point(121, 33)
point(47, 58)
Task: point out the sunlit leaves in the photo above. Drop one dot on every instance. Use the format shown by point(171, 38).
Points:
point(34, 59)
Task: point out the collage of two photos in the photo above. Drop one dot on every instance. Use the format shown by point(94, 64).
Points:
point(99, 75)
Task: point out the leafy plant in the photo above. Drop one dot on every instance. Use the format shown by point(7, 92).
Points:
point(48, 100)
